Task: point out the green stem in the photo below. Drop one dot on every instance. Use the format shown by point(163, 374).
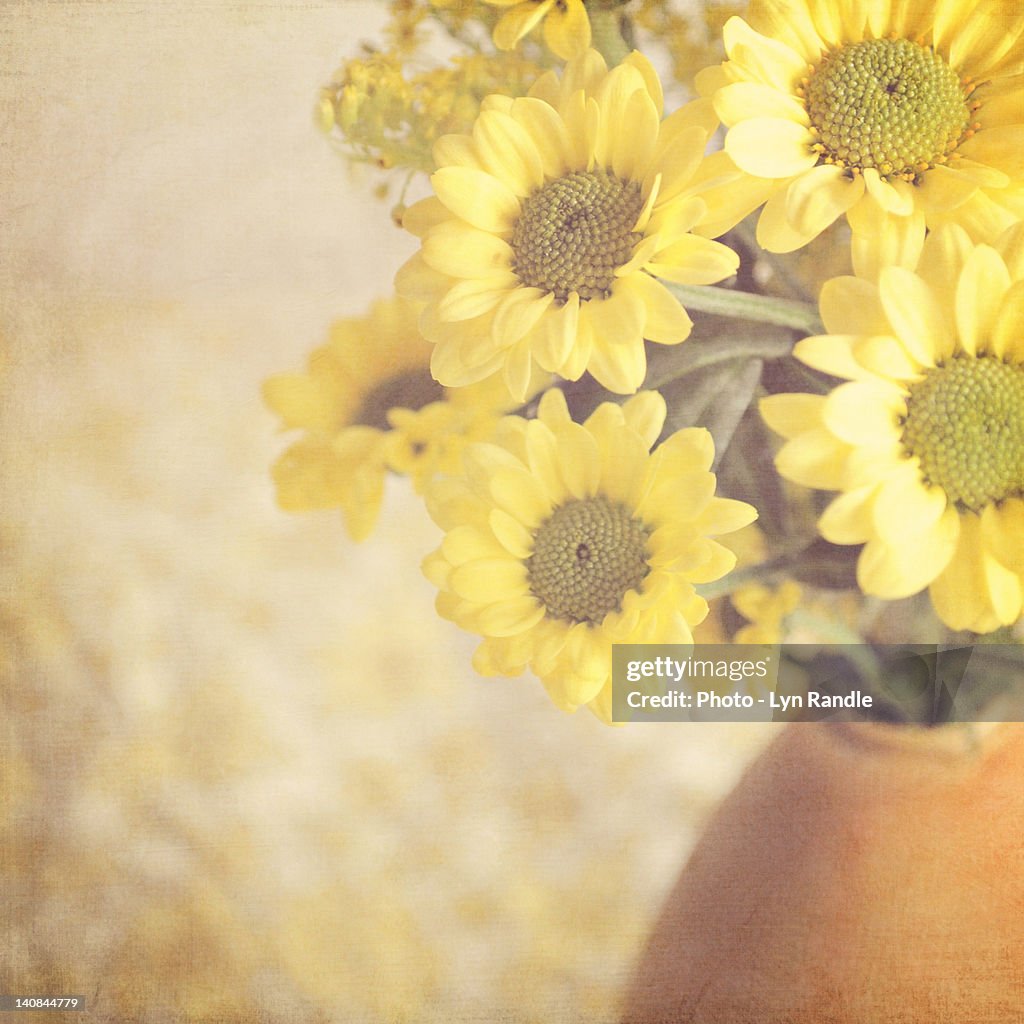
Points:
point(780, 266)
point(765, 309)
point(606, 34)
point(763, 572)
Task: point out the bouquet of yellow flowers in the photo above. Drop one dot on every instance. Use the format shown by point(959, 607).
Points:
point(675, 275)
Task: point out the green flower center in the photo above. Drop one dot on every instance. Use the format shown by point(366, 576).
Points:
point(411, 389)
point(890, 104)
point(586, 556)
point(574, 231)
point(965, 423)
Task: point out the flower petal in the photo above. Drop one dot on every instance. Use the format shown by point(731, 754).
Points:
point(556, 334)
point(851, 305)
point(817, 198)
point(883, 239)
point(764, 60)
point(679, 157)
point(579, 460)
point(915, 314)
point(518, 312)
point(792, 415)
point(520, 494)
point(1003, 532)
point(511, 533)
point(694, 260)
point(942, 189)
point(517, 22)
point(567, 29)
point(1007, 339)
point(894, 572)
point(548, 132)
point(477, 197)
point(962, 593)
point(417, 281)
point(619, 319)
point(665, 320)
point(631, 130)
point(983, 283)
point(833, 354)
point(815, 459)
point(461, 251)
point(847, 520)
point(904, 505)
point(619, 368)
point(864, 412)
point(475, 297)
point(886, 356)
point(771, 147)
point(774, 231)
point(743, 100)
point(507, 151)
point(893, 197)
point(489, 579)
point(424, 215)
point(510, 617)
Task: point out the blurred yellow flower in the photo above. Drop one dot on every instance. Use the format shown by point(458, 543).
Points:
point(898, 115)
point(566, 25)
point(385, 110)
point(367, 404)
point(564, 538)
point(765, 609)
point(925, 441)
point(551, 225)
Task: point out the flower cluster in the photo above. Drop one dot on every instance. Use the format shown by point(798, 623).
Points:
point(531, 379)
point(381, 115)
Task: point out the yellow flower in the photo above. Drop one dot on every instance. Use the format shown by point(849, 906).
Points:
point(368, 404)
point(564, 538)
point(925, 440)
point(390, 116)
point(898, 114)
point(566, 25)
point(765, 609)
point(427, 442)
point(551, 225)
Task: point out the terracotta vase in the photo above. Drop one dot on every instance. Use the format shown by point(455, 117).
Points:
point(859, 873)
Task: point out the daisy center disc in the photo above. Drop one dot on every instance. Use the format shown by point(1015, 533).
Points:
point(586, 556)
point(412, 389)
point(575, 231)
point(890, 104)
point(965, 423)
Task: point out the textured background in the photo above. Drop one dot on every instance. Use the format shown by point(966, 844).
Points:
point(246, 774)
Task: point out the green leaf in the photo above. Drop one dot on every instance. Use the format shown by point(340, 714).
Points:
point(831, 566)
point(709, 344)
point(746, 471)
point(715, 396)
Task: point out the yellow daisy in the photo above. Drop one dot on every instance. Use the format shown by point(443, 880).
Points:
point(566, 25)
point(367, 404)
point(551, 225)
point(564, 538)
point(896, 113)
point(925, 439)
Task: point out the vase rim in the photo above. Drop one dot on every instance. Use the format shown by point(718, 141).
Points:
point(954, 740)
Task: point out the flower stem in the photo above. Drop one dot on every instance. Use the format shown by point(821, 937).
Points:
point(606, 34)
point(765, 309)
point(763, 572)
